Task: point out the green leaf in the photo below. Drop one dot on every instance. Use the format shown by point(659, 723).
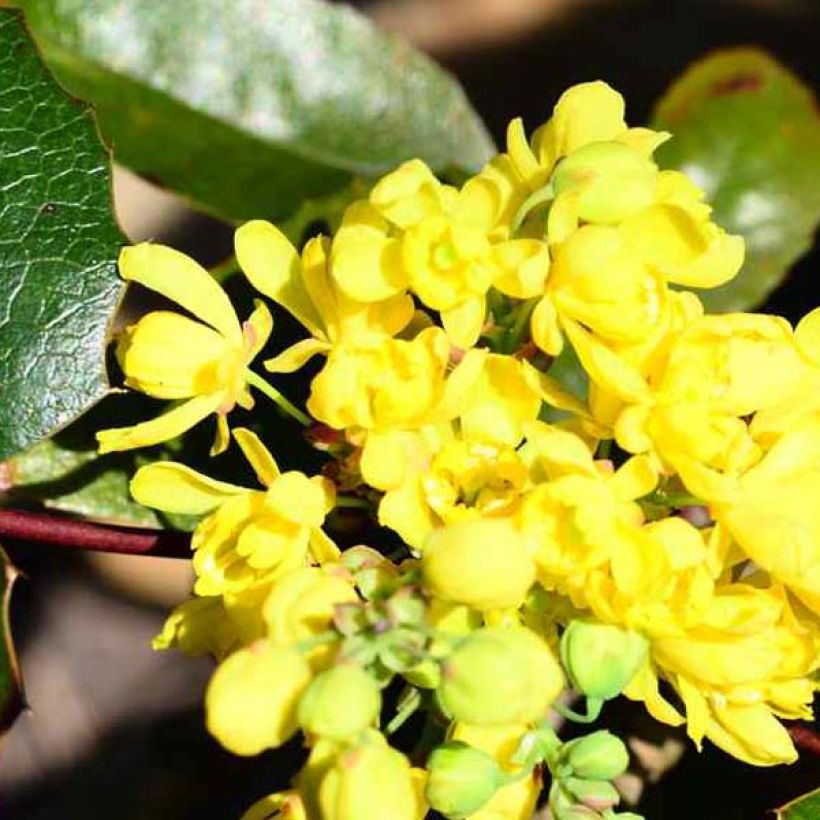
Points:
point(58, 249)
point(747, 131)
point(806, 807)
point(251, 106)
point(65, 473)
point(77, 482)
point(11, 695)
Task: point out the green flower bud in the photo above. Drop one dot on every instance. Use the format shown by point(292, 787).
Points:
point(597, 795)
point(461, 779)
point(601, 659)
point(425, 675)
point(339, 703)
point(598, 756)
point(498, 676)
point(613, 179)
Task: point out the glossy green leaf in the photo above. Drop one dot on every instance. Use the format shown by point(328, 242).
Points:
point(251, 106)
point(806, 807)
point(58, 249)
point(748, 132)
point(11, 695)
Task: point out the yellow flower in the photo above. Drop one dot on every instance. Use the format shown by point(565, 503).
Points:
point(385, 384)
point(305, 288)
point(581, 513)
point(170, 356)
point(749, 661)
point(251, 699)
point(301, 605)
point(482, 563)
point(717, 372)
point(462, 480)
point(249, 536)
point(442, 244)
point(368, 781)
point(198, 627)
point(775, 516)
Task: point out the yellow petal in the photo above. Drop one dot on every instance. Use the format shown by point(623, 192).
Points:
point(297, 498)
point(604, 366)
point(525, 263)
point(322, 547)
point(807, 336)
point(318, 284)
point(175, 488)
point(170, 356)
point(182, 280)
point(258, 456)
point(644, 140)
point(520, 152)
point(546, 332)
point(585, 113)
point(635, 478)
point(752, 734)
point(167, 426)
point(296, 356)
point(272, 265)
point(257, 328)
point(463, 322)
point(368, 267)
point(222, 437)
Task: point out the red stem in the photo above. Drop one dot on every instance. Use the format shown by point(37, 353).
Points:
point(805, 738)
point(67, 532)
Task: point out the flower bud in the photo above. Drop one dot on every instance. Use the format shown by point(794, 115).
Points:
point(482, 563)
point(425, 675)
point(597, 795)
point(370, 569)
point(598, 756)
point(601, 659)
point(339, 703)
point(461, 779)
point(500, 676)
point(370, 781)
point(251, 699)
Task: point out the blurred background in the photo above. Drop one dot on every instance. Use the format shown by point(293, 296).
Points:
point(115, 729)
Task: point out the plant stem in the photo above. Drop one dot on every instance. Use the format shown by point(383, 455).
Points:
point(66, 532)
point(272, 393)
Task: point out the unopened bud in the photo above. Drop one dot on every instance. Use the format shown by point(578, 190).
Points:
point(601, 659)
point(339, 703)
point(598, 756)
point(500, 676)
point(597, 795)
point(461, 779)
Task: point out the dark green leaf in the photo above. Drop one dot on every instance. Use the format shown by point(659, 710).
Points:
point(748, 132)
point(806, 807)
point(11, 696)
point(58, 246)
point(251, 106)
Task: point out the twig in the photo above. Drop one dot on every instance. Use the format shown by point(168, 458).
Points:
point(66, 532)
point(805, 738)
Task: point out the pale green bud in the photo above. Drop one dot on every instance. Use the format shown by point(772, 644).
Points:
point(339, 703)
point(425, 675)
point(598, 756)
point(601, 659)
point(461, 779)
point(597, 795)
point(498, 676)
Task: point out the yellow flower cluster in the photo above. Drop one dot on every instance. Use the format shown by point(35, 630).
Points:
point(661, 526)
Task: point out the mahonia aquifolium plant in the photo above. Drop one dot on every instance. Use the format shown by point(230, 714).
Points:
point(663, 527)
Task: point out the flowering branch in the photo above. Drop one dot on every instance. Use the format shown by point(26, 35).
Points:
point(66, 532)
point(805, 738)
